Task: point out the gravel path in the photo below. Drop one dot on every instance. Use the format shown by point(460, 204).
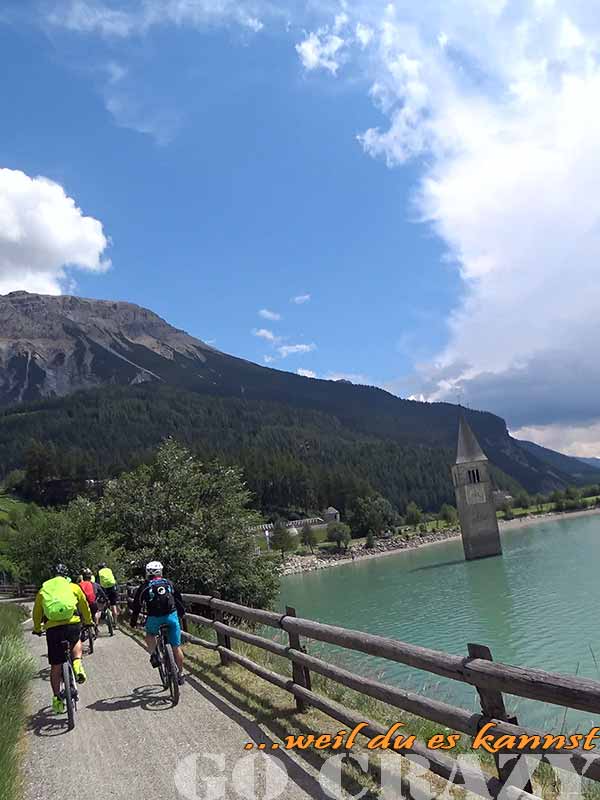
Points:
point(130, 743)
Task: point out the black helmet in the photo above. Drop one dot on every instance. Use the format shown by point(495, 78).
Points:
point(61, 570)
point(87, 573)
point(102, 565)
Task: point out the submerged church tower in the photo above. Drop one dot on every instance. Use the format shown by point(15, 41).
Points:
point(474, 498)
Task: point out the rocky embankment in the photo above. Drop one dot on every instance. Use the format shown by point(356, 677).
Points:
point(296, 564)
point(309, 563)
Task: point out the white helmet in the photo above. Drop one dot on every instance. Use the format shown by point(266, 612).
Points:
point(154, 568)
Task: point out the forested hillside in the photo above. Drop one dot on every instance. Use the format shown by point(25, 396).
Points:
point(292, 458)
point(302, 442)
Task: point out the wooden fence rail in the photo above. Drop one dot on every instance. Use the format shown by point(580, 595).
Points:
point(491, 680)
point(17, 590)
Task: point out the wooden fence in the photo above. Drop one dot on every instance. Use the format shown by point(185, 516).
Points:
point(9, 590)
point(489, 678)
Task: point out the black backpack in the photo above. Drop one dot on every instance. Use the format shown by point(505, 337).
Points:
point(160, 598)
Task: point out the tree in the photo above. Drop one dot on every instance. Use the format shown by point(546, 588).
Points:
point(13, 480)
point(308, 537)
point(539, 502)
point(38, 539)
point(339, 533)
point(522, 500)
point(372, 513)
point(281, 539)
point(449, 514)
point(413, 514)
point(370, 540)
point(191, 516)
point(508, 512)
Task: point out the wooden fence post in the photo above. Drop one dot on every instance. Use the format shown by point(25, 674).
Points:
point(300, 673)
point(222, 638)
point(492, 706)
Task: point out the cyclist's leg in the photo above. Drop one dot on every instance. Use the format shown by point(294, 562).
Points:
point(56, 658)
point(175, 639)
point(113, 600)
point(73, 636)
point(178, 653)
point(152, 627)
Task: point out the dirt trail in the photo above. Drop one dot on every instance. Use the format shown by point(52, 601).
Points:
point(130, 743)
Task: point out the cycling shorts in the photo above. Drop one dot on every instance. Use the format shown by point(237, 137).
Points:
point(112, 594)
point(55, 638)
point(171, 621)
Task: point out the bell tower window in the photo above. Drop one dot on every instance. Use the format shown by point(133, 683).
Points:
point(473, 476)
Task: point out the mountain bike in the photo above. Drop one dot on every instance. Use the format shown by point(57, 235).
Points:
point(169, 674)
point(69, 692)
point(108, 617)
point(88, 633)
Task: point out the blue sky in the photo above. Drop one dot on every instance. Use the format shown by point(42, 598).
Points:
point(262, 193)
point(422, 173)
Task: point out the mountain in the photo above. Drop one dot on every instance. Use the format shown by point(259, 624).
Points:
point(145, 379)
point(580, 470)
point(591, 462)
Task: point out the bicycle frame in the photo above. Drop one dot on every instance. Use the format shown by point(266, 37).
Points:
point(69, 686)
point(167, 668)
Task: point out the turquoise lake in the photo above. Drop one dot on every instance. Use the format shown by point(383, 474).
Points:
point(537, 606)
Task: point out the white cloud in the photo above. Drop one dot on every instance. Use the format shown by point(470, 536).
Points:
point(265, 333)
point(306, 373)
point(131, 101)
point(269, 359)
point(89, 16)
point(353, 377)
point(132, 106)
point(86, 16)
point(363, 34)
point(42, 234)
point(265, 313)
point(496, 102)
point(286, 350)
point(300, 299)
point(573, 440)
point(321, 50)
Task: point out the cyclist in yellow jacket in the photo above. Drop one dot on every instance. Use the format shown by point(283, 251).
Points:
point(107, 581)
point(54, 595)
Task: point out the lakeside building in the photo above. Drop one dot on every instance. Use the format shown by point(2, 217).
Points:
point(475, 497)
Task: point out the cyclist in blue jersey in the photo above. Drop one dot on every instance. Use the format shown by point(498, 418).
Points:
point(164, 606)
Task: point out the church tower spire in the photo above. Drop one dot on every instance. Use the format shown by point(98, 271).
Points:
point(474, 497)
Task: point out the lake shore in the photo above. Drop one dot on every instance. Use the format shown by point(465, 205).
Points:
point(295, 565)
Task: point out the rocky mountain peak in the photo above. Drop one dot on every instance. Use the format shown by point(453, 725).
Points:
point(53, 345)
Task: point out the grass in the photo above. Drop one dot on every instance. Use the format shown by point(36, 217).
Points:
point(274, 710)
point(17, 668)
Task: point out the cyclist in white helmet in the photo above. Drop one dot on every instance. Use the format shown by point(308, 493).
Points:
point(164, 606)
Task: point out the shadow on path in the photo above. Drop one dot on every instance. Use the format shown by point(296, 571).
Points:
point(43, 674)
point(231, 707)
point(257, 735)
point(47, 723)
point(149, 698)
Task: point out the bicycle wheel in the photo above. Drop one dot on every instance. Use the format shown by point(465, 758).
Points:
point(173, 674)
point(162, 670)
point(68, 690)
point(110, 622)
